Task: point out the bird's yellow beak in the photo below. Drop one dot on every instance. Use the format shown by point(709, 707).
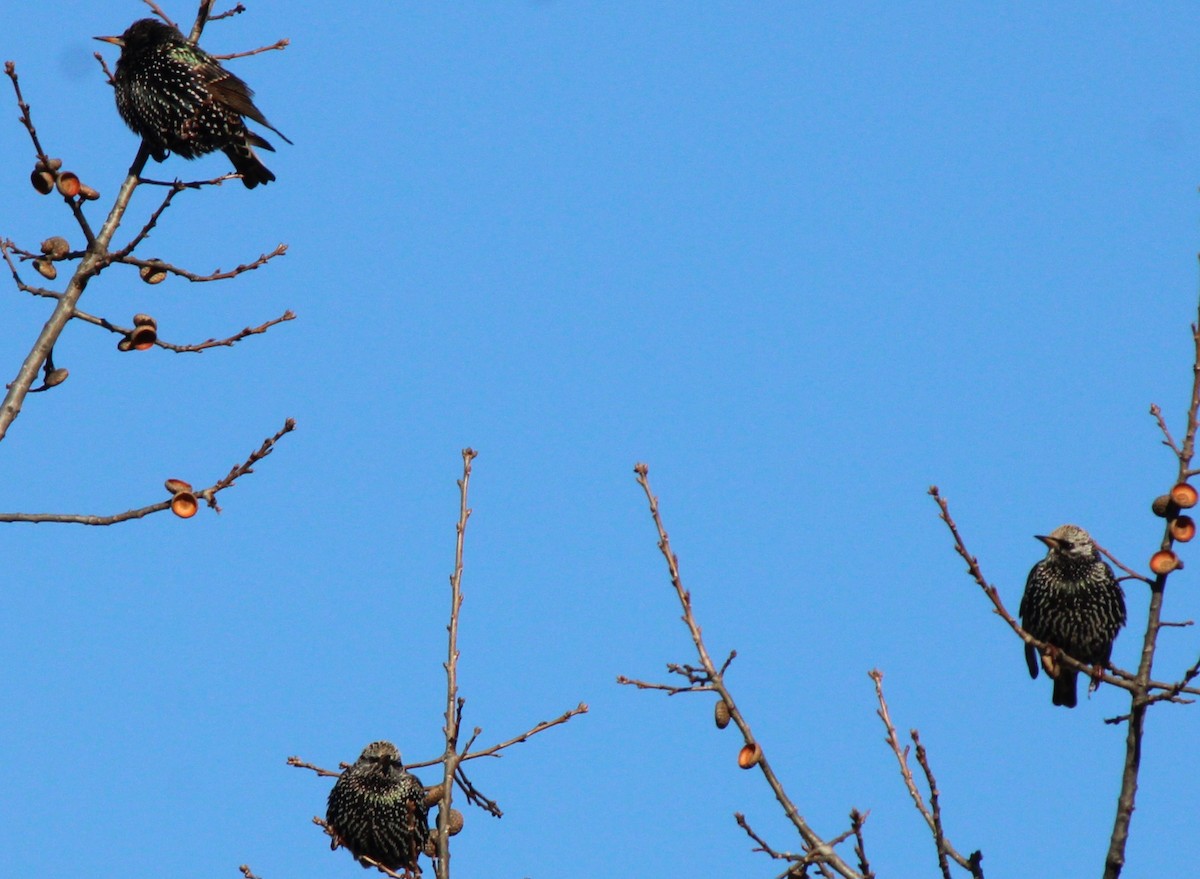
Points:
point(1051, 542)
point(116, 41)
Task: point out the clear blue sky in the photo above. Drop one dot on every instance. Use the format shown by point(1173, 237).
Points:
point(803, 259)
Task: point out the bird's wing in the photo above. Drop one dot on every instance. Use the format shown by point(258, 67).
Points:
point(231, 91)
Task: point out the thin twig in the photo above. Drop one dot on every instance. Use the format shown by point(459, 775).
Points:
point(276, 46)
point(246, 467)
point(857, 820)
point(190, 184)
point(931, 812)
point(453, 714)
point(197, 348)
point(154, 7)
point(820, 851)
point(1168, 440)
point(1133, 575)
point(300, 764)
point(209, 494)
point(581, 708)
point(668, 688)
point(228, 13)
point(217, 275)
point(150, 223)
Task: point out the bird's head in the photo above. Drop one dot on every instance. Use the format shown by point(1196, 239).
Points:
point(383, 754)
point(141, 35)
point(1069, 542)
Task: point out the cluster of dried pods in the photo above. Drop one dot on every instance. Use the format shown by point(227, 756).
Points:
point(143, 336)
point(183, 501)
point(751, 753)
point(1183, 528)
point(48, 176)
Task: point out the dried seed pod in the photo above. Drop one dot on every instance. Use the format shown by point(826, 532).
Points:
point(721, 714)
point(749, 756)
point(87, 192)
point(1184, 495)
point(433, 795)
point(175, 486)
point(1183, 528)
point(43, 181)
point(46, 269)
point(56, 377)
point(53, 165)
point(1164, 562)
point(68, 184)
point(454, 822)
point(152, 274)
point(430, 847)
point(184, 505)
point(56, 247)
point(143, 338)
point(124, 344)
point(1163, 506)
point(144, 320)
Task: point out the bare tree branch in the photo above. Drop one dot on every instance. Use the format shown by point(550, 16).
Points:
point(817, 850)
point(931, 812)
point(209, 494)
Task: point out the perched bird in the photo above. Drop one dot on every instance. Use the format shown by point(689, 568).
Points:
point(180, 99)
point(1073, 601)
point(378, 810)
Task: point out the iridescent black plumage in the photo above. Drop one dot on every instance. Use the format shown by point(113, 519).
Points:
point(378, 810)
point(1073, 601)
point(180, 99)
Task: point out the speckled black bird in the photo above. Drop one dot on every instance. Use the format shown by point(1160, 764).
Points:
point(180, 99)
point(378, 810)
point(1073, 601)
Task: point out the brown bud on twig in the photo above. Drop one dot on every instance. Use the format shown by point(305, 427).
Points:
point(433, 795)
point(87, 192)
point(430, 847)
point(56, 377)
point(56, 247)
point(144, 320)
point(1162, 506)
point(184, 505)
point(68, 184)
point(1184, 495)
point(454, 822)
point(721, 714)
point(152, 274)
point(43, 181)
point(749, 756)
point(175, 486)
point(46, 269)
point(53, 165)
point(1164, 562)
point(1183, 528)
point(124, 344)
point(143, 338)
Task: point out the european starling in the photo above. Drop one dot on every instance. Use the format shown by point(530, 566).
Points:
point(378, 810)
point(180, 99)
point(1073, 601)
